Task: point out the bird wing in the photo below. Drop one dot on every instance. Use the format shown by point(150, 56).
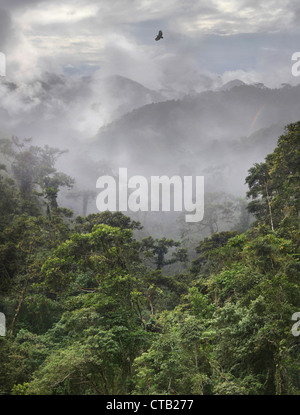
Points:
point(159, 36)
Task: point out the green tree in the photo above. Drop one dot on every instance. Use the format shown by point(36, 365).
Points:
point(274, 184)
point(34, 171)
point(159, 248)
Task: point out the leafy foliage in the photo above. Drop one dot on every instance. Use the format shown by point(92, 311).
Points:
point(91, 309)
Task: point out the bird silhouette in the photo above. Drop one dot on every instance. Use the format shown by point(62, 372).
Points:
point(159, 36)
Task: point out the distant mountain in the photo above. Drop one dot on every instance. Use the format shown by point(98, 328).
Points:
point(237, 82)
point(231, 84)
point(218, 134)
point(54, 108)
point(124, 94)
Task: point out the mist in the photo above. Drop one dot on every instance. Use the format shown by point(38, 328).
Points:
point(210, 99)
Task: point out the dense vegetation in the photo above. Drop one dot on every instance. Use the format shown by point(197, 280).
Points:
point(91, 310)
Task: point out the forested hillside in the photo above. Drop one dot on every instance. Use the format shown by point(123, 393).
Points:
point(91, 307)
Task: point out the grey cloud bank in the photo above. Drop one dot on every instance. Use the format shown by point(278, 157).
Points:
point(117, 37)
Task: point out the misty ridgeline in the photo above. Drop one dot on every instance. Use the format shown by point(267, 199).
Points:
point(107, 304)
point(117, 122)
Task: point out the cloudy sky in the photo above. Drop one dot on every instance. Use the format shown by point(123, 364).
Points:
point(220, 39)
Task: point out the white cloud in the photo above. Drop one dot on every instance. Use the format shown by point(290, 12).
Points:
point(118, 37)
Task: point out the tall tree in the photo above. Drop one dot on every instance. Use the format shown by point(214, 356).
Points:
point(274, 185)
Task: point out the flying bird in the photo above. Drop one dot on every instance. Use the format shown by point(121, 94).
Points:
point(159, 36)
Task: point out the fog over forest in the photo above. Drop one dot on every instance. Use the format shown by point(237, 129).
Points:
point(195, 103)
point(149, 199)
point(105, 124)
